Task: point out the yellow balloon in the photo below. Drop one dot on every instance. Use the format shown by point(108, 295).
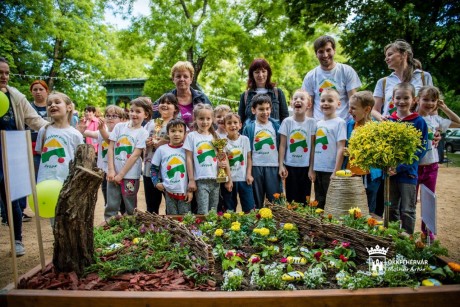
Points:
point(47, 197)
point(4, 103)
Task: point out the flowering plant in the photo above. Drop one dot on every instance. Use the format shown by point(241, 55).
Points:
point(218, 234)
point(254, 263)
point(384, 144)
point(266, 219)
point(289, 235)
point(259, 236)
point(231, 259)
point(355, 219)
point(279, 199)
point(236, 236)
point(232, 280)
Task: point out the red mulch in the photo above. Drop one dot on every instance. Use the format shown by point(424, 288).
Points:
point(161, 280)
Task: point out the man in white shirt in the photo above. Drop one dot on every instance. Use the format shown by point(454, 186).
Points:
point(330, 74)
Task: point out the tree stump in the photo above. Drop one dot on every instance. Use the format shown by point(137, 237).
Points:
point(73, 228)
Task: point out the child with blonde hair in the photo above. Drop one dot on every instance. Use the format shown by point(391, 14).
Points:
point(220, 112)
point(202, 160)
point(297, 134)
point(57, 142)
point(361, 104)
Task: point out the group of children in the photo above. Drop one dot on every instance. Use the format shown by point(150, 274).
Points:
point(182, 164)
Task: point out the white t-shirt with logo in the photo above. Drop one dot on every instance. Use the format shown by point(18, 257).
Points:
point(392, 81)
point(265, 151)
point(298, 141)
point(126, 141)
point(434, 123)
point(103, 148)
point(342, 77)
point(172, 163)
point(204, 155)
point(57, 150)
point(328, 133)
point(149, 150)
point(237, 152)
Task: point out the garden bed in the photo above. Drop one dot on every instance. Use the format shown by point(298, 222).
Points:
point(265, 250)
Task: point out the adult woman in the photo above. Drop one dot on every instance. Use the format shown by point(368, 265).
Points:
point(39, 91)
point(259, 82)
point(91, 122)
point(19, 114)
point(400, 58)
point(182, 76)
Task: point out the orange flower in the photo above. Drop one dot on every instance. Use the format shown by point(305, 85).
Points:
point(358, 215)
point(329, 216)
point(371, 222)
point(314, 203)
point(420, 244)
point(454, 266)
point(276, 195)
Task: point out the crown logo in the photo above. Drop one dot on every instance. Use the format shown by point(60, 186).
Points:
point(377, 250)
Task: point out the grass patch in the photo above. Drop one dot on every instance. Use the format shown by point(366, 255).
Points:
point(454, 160)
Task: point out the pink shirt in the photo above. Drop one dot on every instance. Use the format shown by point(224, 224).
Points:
point(93, 126)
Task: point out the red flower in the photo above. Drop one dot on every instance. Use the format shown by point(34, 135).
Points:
point(240, 255)
point(283, 260)
point(318, 255)
point(346, 244)
point(180, 219)
point(258, 216)
point(335, 242)
point(220, 213)
point(198, 221)
point(343, 258)
point(229, 254)
point(255, 260)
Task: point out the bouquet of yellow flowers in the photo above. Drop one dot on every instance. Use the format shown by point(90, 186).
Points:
point(384, 144)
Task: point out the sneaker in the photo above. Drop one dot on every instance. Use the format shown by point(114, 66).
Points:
point(26, 218)
point(19, 247)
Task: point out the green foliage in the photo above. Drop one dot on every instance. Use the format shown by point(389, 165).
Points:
point(431, 27)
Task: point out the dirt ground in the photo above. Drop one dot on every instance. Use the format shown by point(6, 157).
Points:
point(448, 195)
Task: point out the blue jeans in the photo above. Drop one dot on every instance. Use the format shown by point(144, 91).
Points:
point(371, 192)
point(242, 189)
point(16, 206)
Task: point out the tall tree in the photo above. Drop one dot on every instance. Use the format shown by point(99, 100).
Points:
point(431, 27)
point(206, 32)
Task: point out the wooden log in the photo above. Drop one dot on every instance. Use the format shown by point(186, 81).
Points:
point(73, 228)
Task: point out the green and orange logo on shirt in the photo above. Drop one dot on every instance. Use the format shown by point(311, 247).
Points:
point(263, 137)
point(125, 145)
point(321, 138)
point(175, 165)
point(105, 148)
point(53, 148)
point(235, 155)
point(326, 84)
point(297, 140)
point(205, 150)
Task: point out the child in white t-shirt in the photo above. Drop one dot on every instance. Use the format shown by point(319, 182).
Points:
point(330, 138)
point(202, 160)
point(240, 162)
point(429, 100)
point(220, 112)
point(58, 141)
point(297, 133)
point(127, 142)
point(263, 137)
point(168, 170)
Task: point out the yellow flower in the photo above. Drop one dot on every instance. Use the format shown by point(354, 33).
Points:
point(353, 210)
point(227, 215)
point(256, 230)
point(264, 232)
point(381, 228)
point(319, 211)
point(236, 227)
point(266, 213)
point(219, 232)
point(241, 213)
point(288, 226)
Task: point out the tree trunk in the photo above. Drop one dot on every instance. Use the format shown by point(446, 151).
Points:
point(73, 228)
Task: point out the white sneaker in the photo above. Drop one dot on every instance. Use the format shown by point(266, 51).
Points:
point(19, 247)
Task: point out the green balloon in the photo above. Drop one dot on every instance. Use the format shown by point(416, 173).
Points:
point(47, 196)
point(4, 103)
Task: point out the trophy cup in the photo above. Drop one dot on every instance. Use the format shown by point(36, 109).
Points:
point(156, 130)
point(220, 145)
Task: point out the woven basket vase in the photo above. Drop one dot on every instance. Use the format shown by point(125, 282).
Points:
point(345, 193)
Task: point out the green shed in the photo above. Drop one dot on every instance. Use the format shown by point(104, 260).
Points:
point(121, 92)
